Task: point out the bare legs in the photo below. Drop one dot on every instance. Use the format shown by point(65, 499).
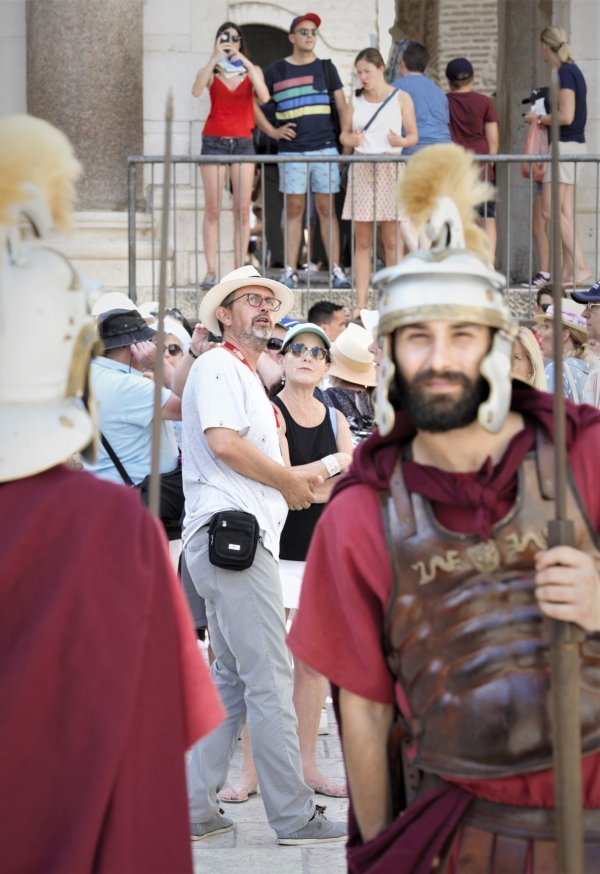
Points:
point(574, 264)
point(310, 689)
point(330, 231)
point(213, 180)
point(294, 210)
point(394, 236)
point(242, 178)
point(540, 236)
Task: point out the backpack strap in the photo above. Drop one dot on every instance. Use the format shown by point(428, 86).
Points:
point(327, 65)
point(116, 461)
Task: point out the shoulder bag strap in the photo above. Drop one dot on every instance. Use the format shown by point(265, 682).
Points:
point(377, 111)
point(116, 461)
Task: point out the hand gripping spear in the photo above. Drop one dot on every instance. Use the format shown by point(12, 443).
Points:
point(154, 498)
point(565, 637)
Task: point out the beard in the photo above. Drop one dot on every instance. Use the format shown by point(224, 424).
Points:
point(256, 337)
point(439, 413)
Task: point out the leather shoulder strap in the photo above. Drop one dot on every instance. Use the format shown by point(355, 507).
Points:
point(402, 502)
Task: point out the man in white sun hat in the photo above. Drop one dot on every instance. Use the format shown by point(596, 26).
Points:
point(102, 686)
point(237, 488)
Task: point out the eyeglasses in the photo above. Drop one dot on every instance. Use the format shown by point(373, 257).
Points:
point(173, 349)
point(257, 300)
point(299, 350)
point(306, 31)
point(274, 344)
point(589, 307)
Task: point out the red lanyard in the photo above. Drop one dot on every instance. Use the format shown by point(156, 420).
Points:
point(241, 357)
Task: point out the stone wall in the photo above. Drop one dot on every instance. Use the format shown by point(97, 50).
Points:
point(469, 29)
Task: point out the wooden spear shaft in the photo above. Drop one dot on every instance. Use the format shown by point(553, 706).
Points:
point(154, 497)
point(565, 637)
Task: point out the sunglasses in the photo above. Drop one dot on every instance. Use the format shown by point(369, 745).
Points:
point(589, 307)
point(299, 350)
point(177, 314)
point(306, 31)
point(274, 344)
point(229, 37)
point(257, 300)
point(173, 349)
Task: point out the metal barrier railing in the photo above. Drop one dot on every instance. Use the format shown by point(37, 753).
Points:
point(506, 166)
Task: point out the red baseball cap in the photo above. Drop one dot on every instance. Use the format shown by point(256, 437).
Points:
point(310, 16)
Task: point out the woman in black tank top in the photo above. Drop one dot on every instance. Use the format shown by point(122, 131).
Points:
point(318, 439)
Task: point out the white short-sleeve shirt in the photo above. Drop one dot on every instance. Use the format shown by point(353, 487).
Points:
point(223, 392)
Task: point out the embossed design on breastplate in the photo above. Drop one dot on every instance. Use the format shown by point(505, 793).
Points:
point(466, 639)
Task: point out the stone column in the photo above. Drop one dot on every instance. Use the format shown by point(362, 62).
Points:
point(520, 69)
point(84, 75)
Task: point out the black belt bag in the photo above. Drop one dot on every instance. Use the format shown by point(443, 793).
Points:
point(232, 540)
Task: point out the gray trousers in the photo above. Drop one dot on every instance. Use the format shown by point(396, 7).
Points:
point(253, 673)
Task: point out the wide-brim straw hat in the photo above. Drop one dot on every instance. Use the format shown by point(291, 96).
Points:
point(238, 279)
point(571, 318)
point(350, 357)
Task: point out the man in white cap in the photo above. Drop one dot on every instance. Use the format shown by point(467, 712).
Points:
point(233, 473)
point(435, 592)
point(102, 684)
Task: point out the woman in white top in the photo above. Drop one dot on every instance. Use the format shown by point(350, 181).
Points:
point(371, 191)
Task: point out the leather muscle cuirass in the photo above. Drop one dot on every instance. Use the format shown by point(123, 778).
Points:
point(466, 639)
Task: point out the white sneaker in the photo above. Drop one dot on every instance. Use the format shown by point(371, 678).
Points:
point(289, 277)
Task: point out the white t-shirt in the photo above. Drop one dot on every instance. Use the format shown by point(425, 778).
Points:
point(222, 392)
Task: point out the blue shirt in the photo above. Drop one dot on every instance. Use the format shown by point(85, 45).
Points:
point(431, 110)
point(571, 77)
point(575, 373)
point(125, 411)
point(300, 94)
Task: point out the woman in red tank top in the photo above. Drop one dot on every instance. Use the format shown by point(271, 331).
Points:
point(232, 81)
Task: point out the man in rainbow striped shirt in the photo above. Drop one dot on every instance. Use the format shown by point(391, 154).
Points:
point(300, 86)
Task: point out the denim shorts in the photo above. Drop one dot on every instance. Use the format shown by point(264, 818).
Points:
point(487, 209)
point(324, 177)
point(227, 146)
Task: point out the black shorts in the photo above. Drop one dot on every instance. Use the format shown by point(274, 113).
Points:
point(227, 146)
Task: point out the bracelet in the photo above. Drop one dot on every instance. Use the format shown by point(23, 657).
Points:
point(192, 353)
point(332, 465)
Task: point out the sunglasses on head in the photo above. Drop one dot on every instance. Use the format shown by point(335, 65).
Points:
point(173, 349)
point(299, 350)
point(274, 344)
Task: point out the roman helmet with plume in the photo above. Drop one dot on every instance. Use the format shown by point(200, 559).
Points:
point(452, 280)
point(47, 335)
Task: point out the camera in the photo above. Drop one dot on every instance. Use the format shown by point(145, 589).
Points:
point(224, 38)
point(214, 338)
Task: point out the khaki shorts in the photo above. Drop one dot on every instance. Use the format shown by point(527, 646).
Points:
point(566, 170)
